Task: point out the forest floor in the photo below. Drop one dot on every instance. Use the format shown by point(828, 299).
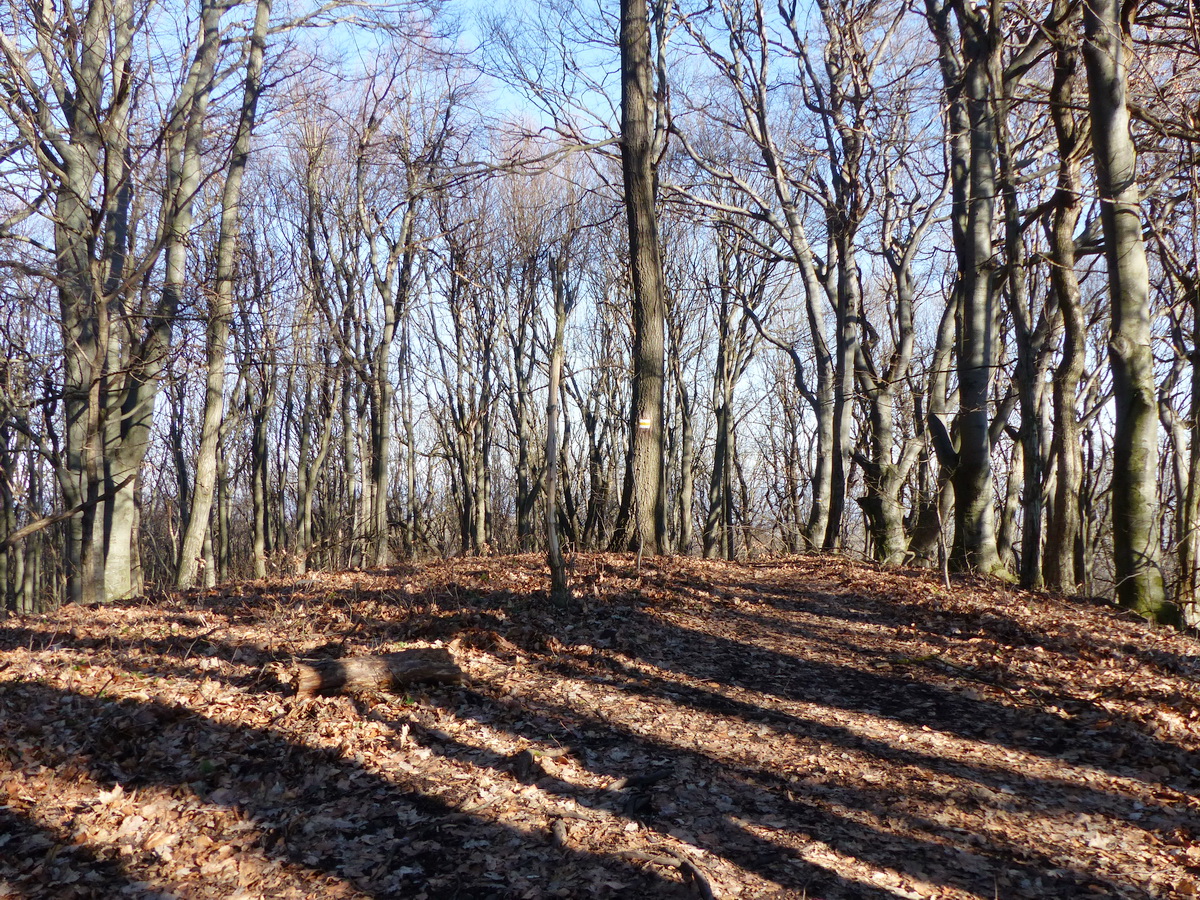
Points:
point(809, 728)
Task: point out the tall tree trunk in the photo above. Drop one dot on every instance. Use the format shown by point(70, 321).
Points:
point(412, 507)
point(884, 476)
point(932, 508)
point(480, 488)
point(716, 533)
point(1187, 593)
point(1061, 572)
point(176, 396)
point(967, 65)
point(381, 450)
point(845, 356)
point(558, 569)
point(642, 523)
point(1135, 439)
point(309, 470)
point(974, 545)
point(260, 476)
point(8, 523)
point(222, 307)
point(1032, 361)
point(1006, 534)
point(224, 514)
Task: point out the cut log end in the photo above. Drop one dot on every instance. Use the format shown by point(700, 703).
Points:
point(384, 672)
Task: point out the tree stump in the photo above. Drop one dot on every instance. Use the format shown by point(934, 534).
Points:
point(388, 671)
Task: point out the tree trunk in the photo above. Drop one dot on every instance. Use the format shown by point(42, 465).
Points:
point(389, 671)
point(559, 589)
point(222, 308)
point(642, 523)
point(934, 488)
point(224, 538)
point(412, 506)
point(687, 482)
point(1006, 534)
point(310, 469)
point(845, 356)
point(1059, 566)
point(716, 534)
point(1139, 579)
point(1187, 594)
point(974, 546)
point(1028, 490)
point(259, 476)
point(381, 450)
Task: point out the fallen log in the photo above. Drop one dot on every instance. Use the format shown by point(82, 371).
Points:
point(387, 671)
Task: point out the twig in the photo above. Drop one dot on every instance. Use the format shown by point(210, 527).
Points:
point(661, 857)
point(192, 646)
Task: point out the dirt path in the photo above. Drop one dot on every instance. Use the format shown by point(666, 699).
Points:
point(809, 728)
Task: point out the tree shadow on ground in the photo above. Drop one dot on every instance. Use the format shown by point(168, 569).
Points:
point(953, 631)
point(884, 608)
point(911, 693)
point(560, 642)
point(753, 802)
point(44, 862)
point(310, 808)
point(902, 698)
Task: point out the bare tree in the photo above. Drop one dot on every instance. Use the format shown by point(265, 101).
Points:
point(642, 522)
point(222, 305)
point(1135, 441)
point(1062, 560)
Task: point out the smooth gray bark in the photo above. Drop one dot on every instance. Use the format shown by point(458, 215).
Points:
point(221, 310)
point(967, 47)
point(1139, 579)
point(559, 589)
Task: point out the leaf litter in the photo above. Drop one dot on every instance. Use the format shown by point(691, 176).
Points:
point(811, 728)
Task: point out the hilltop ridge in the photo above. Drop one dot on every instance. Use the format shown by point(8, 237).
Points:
point(808, 727)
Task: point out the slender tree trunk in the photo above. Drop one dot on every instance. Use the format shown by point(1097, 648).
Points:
point(1135, 440)
point(224, 514)
point(9, 580)
point(1187, 594)
point(381, 449)
point(1027, 491)
point(412, 506)
point(221, 310)
point(794, 526)
point(715, 530)
point(310, 469)
point(848, 302)
point(687, 483)
point(1006, 534)
point(1061, 572)
point(559, 589)
point(822, 478)
point(967, 64)
point(520, 399)
point(479, 489)
point(260, 478)
point(935, 490)
point(884, 476)
point(598, 482)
